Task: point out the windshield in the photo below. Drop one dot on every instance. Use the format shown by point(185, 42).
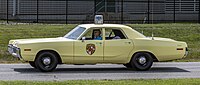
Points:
point(75, 33)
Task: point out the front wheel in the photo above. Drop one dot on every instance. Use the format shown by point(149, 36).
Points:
point(141, 61)
point(46, 62)
point(128, 65)
point(32, 64)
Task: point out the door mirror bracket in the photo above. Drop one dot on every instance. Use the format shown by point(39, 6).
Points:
point(83, 39)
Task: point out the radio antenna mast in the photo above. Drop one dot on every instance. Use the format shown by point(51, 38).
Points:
point(152, 20)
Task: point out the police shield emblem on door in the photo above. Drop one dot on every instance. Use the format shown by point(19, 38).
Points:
point(90, 49)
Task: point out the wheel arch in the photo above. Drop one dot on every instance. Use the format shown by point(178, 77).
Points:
point(52, 51)
point(153, 56)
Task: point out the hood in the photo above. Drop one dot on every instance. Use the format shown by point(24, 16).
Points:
point(39, 40)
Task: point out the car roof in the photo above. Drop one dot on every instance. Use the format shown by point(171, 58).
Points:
point(104, 25)
point(128, 30)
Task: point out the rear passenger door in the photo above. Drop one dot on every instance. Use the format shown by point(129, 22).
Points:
point(116, 45)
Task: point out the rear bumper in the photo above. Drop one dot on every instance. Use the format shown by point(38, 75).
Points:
point(186, 52)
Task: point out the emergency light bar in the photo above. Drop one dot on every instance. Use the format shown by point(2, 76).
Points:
point(98, 19)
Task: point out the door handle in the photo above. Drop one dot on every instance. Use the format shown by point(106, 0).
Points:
point(128, 42)
point(99, 43)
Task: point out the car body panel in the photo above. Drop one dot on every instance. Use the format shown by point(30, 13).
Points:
point(106, 51)
point(164, 49)
point(82, 57)
point(63, 46)
point(117, 50)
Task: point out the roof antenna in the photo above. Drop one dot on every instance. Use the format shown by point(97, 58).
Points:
point(152, 35)
point(142, 31)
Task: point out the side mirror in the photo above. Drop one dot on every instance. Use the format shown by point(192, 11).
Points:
point(83, 39)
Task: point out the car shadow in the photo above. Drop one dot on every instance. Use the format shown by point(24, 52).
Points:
point(103, 70)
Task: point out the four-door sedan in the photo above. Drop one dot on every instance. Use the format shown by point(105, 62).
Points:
point(98, 43)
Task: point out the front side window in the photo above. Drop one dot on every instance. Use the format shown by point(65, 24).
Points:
point(93, 34)
point(75, 33)
point(113, 34)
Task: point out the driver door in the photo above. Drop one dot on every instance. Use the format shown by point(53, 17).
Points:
point(88, 51)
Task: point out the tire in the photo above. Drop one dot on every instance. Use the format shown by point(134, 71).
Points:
point(46, 61)
point(138, 61)
point(32, 64)
point(128, 65)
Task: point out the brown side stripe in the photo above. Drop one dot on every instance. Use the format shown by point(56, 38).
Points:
point(179, 49)
point(27, 49)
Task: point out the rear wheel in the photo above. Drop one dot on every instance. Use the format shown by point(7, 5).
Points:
point(141, 61)
point(46, 61)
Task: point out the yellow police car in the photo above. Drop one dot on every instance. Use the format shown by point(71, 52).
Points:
point(98, 43)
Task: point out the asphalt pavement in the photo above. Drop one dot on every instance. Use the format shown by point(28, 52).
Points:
point(160, 70)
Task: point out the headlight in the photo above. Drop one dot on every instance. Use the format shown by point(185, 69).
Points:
point(15, 51)
point(10, 48)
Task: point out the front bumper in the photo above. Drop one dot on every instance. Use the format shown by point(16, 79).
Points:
point(14, 51)
point(186, 52)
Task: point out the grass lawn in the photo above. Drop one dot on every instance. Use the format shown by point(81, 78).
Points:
point(189, 33)
point(108, 82)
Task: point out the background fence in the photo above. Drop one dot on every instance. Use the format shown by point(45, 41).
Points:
point(114, 11)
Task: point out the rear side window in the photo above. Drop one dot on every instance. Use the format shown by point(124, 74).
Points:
point(111, 34)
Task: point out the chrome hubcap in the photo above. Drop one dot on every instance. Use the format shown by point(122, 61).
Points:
point(46, 61)
point(142, 60)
